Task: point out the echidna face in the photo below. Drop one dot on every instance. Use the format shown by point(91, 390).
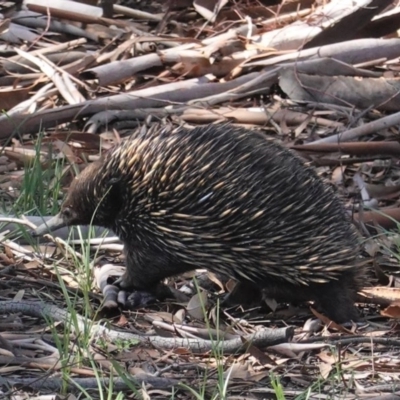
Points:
point(93, 198)
point(85, 213)
point(79, 206)
point(69, 216)
point(75, 210)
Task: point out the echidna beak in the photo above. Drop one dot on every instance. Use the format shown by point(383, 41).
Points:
point(51, 225)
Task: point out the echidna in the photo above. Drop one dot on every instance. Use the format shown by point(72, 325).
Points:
point(225, 199)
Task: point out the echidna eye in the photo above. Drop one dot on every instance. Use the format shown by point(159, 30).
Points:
point(113, 181)
point(67, 213)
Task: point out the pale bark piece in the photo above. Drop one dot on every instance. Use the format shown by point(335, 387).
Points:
point(44, 92)
point(209, 8)
point(86, 18)
point(254, 115)
point(362, 93)
point(196, 61)
point(295, 35)
point(36, 20)
point(351, 52)
point(136, 14)
point(119, 71)
point(102, 274)
point(198, 65)
point(332, 67)
point(60, 79)
point(356, 149)
point(17, 34)
point(362, 130)
point(349, 25)
point(159, 96)
point(54, 6)
point(21, 65)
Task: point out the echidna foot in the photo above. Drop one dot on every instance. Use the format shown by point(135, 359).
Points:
point(138, 299)
point(142, 297)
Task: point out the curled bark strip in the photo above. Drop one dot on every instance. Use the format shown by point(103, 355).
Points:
point(103, 273)
point(263, 338)
point(110, 293)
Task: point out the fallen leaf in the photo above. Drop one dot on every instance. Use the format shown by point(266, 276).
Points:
point(196, 304)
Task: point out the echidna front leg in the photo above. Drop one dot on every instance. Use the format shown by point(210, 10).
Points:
point(144, 271)
point(144, 274)
point(126, 281)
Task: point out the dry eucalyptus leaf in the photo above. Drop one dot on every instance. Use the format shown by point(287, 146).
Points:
point(389, 293)
point(271, 303)
point(179, 316)
point(393, 311)
point(325, 369)
point(196, 305)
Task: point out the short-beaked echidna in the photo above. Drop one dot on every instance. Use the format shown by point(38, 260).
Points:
point(225, 199)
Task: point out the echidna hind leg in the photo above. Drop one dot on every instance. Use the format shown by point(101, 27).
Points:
point(249, 294)
point(336, 301)
point(244, 293)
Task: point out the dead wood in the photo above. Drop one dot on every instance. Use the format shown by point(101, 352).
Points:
point(263, 338)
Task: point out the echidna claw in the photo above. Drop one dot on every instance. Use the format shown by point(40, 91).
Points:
point(139, 299)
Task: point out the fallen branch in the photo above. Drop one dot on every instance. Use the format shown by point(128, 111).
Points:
point(54, 384)
point(363, 130)
point(264, 338)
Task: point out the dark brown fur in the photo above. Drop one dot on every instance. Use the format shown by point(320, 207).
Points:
point(228, 200)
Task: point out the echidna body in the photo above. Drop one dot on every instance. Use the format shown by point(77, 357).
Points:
point(225, 199)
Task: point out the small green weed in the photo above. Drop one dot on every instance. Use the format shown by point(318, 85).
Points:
point(41, 186)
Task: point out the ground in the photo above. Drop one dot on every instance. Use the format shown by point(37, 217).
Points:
point(75, 83)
